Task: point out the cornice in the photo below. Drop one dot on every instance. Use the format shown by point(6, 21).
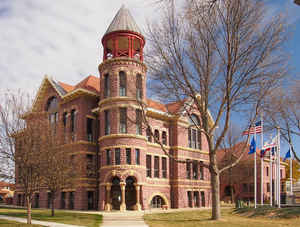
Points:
point(122, 136)
point(122, 61)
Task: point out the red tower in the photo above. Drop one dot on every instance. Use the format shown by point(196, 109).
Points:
point(123, 38)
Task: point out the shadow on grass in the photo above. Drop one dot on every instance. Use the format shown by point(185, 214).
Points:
point(270, 212)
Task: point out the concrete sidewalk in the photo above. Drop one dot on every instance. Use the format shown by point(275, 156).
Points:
point(43, 223)
point(123, 219)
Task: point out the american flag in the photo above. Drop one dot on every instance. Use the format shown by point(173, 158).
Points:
point(257, 128)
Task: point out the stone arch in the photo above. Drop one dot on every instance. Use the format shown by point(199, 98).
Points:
point(111, 174)
point(131, 173)
point(161, 195)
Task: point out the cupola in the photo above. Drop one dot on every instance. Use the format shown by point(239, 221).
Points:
point(123, 37)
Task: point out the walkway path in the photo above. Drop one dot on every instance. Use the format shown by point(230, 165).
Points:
point(43, 223)
point(123, 219)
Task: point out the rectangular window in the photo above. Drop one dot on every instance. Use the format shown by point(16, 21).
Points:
point(139, 87)
point(149, 165)
point(203, 199)
point(89, 129)
point(156, 166)
point(71, 200)
point(164, 167)
point(117, 156)
point(190, 137)
point(123, 120)
point(107, 122)
point(245, 188)
point(122, 78)
point(73, 121)
point(199, 140)
point(195, 170)
point(108, 157)
point(89, 165)
point(128, 156)
point(137, 156)
point(164, 138)
point(281, 173)
point(267, 170)
point(251, 188)
point(268, 187)
point(63, 200)
point(138, 122)
point(49, 198)
point(188, 169)
point(106, 86)
point(194, 138)
point(190, 201)
point(201, 171)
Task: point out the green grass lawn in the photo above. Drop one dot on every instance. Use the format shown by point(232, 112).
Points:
point(230, 218)
point(90, 220)
point(6, 223)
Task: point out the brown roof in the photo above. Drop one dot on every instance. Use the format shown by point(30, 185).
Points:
point(67, 87)
point(156, 105)
point(91, 83)
point(174, 107)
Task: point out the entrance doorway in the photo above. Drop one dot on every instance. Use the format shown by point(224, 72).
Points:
point(130, 193)
point(115, 194)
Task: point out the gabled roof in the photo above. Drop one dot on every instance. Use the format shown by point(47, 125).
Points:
point(156, 105)
point(123, 21)
point(90, 86)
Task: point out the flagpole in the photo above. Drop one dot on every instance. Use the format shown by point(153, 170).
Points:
point(255, 173)
point(291, 171)
point(271, 179)
point(278, 163)
point(262, 164)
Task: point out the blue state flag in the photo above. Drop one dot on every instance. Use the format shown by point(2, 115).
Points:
point(287, 155)
point(252, 147)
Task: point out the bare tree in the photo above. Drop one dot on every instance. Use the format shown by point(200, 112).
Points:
point(57, 169)
point(283, 111)
point(225, 59)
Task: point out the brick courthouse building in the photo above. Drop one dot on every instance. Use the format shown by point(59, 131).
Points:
point(121, 167)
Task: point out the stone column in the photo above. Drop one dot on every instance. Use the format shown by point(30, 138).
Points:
point(108, 204)
point(138, 204)
point(123, 205)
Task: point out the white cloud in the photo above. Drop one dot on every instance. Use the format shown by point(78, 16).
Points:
point(58, 38)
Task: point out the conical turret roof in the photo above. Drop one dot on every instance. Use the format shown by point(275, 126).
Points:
point(123, 21)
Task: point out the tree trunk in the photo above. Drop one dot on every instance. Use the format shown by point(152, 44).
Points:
point(215, 187)
point(52, 204)
point(28, 210)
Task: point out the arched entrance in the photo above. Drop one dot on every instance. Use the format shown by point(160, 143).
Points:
point(115, 193)
point(157, 202)
point(130, 193)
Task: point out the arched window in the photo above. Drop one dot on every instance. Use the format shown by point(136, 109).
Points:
point(148, 133)
point(157, 202)
point(139, 86)
point(106, 86)
point(123, 120)
point(122, 83)
point(194, 133)
point(156, 135)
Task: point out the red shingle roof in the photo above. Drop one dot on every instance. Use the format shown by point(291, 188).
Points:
point(156, 105)
point(91, 83)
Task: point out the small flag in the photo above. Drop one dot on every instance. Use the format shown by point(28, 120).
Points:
point(263, 152)
point(252, 146)
point(257, 128)
point(287, 155)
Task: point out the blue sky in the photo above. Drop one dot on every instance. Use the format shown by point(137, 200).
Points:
point(63, 38)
